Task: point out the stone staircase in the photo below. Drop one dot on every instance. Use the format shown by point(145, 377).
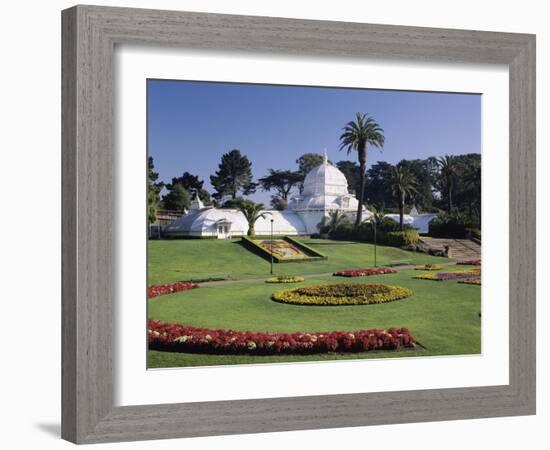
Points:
point(459, 249)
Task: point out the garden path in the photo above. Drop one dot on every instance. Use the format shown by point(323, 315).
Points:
point(310, 275)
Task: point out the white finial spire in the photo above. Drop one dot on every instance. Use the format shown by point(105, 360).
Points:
point(197, 203)
point(326, 157)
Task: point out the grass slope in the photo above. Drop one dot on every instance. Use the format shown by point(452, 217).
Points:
point(174, 260)
point(443, 316)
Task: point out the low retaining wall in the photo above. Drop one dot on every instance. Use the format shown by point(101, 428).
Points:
point(310, 253)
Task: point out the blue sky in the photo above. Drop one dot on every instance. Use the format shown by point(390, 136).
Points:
point(191, 124)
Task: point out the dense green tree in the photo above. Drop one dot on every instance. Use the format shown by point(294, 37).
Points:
point(379, 193)
point(403, 184)
point(357, 135)
point(252, 212)
point(278, 203)
point(448, 170)
point(194, 185)
point(232, 203)
point(425, 173)
point(177, 199)
point(234, 176)
point(467, 190)
point(153, 191)
point(281, 181)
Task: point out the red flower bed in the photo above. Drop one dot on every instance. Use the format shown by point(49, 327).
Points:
point(471, 262)
point(163, 289)
point(182, 338)
point(364, 272)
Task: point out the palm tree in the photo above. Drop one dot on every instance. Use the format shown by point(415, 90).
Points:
point(252, 212)
point(471, 179)
point(448, 166)
point(377, 215)
point(357, 135)
point(403, 184)
point(334, 220)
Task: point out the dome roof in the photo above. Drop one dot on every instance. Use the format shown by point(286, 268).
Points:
point(325, 180)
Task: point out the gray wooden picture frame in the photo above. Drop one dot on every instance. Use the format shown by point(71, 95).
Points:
point(90, 34)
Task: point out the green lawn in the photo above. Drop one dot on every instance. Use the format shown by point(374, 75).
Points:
point(443, 316)
point(174, 260)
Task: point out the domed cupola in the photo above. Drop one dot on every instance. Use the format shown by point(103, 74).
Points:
point(325, 180)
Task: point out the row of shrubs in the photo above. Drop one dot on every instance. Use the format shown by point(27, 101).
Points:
point(182, 338)
point(387, 233)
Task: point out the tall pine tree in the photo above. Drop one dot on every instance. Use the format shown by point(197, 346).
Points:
point(234, 176)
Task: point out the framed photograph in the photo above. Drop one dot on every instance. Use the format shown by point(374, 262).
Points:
point(277, 224)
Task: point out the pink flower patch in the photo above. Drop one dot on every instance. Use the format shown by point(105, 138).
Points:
point(364, 272)
point(470, 262)
point(163, 289)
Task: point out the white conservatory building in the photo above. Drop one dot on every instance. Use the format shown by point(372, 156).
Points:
point(325, 190)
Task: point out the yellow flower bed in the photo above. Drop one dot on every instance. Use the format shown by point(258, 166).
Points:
point(451, 275)
point(342, 294)
point(429, 267)
point(427, 276)
point(289, 279)
point(475, 281)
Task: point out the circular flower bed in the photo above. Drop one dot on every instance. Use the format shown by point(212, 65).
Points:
point(342, 294)
point(285, 279)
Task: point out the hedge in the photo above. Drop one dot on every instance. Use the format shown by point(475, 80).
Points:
point(387, 233)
